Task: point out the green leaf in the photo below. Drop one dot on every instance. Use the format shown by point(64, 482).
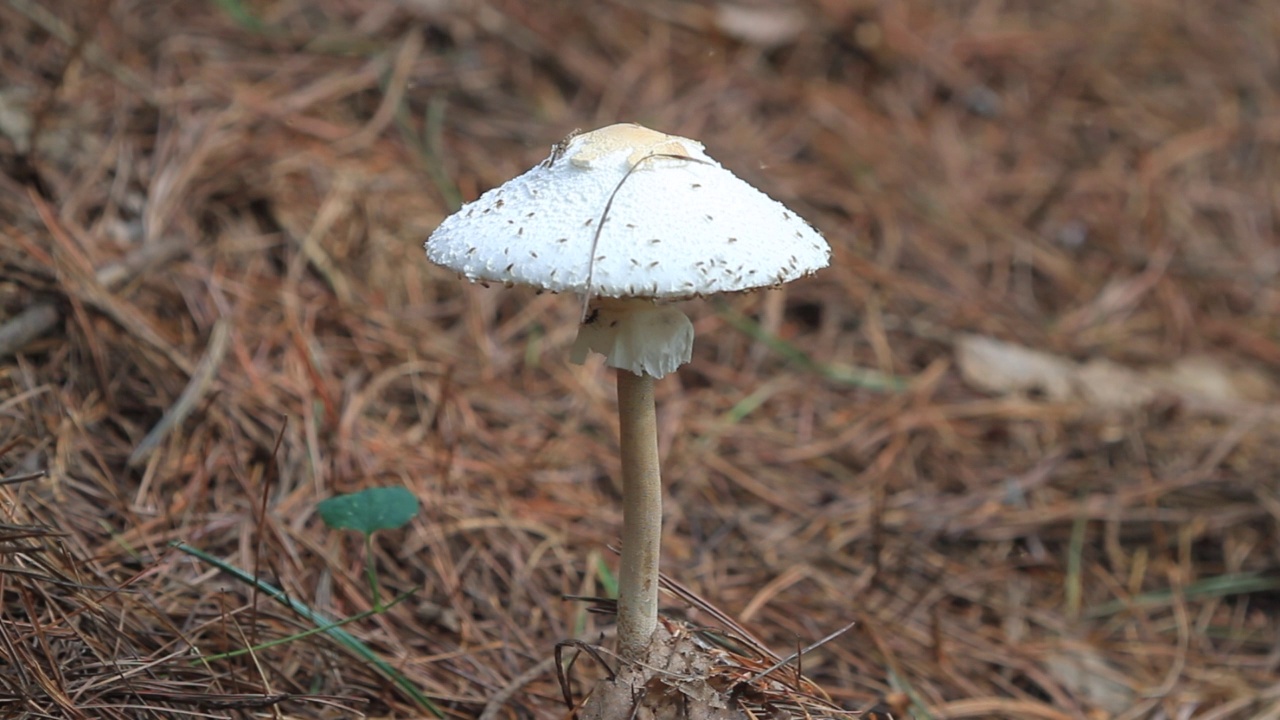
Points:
point(242, 15)
point(384, 508)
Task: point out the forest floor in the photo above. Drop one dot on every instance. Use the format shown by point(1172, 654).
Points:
point(1024, 433)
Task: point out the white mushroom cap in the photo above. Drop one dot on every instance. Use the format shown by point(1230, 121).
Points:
point(625, 211)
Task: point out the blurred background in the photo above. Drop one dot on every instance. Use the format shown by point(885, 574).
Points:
point(1024, 431)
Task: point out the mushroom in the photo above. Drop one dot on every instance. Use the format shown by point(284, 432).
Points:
point(631, 219)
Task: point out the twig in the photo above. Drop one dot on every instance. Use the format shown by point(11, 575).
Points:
point(42, 317)
point(196, 388)
point(393, 94)
point(15, 479)
point(27, 326)
point(500, 698)
point(55, 26)
point(795, 656)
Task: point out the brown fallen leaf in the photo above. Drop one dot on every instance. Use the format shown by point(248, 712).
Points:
point(1201, 383)
point(765, 25)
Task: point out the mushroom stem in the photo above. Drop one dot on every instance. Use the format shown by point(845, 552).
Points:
point(641, 514)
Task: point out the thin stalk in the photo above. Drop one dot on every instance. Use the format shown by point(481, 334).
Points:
point(641, 514)
point(370, 572)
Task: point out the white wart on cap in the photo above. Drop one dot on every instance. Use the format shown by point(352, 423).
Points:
point(629, 213)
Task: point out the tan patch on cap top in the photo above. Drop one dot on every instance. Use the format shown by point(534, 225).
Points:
point(640, 140)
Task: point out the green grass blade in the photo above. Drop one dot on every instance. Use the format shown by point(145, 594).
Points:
point(843, 374)
point(430, 146)
point(608, 581)
point(1074, 591)
point(1213, 587)
point(326, 625)
point(308, 633)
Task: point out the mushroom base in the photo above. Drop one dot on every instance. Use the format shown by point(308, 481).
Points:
point(669, 681)
point(635, 335)
point(680, 676)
